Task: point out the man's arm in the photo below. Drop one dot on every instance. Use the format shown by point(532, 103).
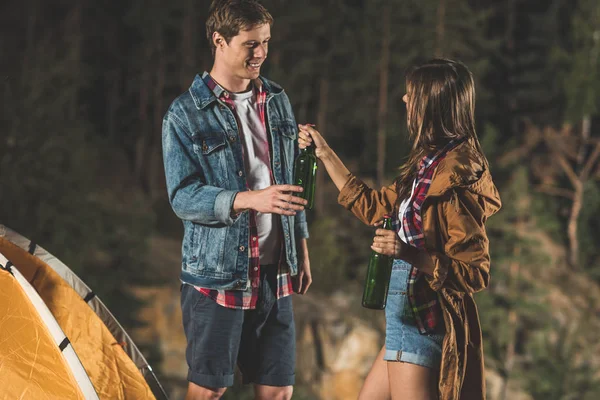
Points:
point(190, 197)
point(193, 200)
point(303, 280)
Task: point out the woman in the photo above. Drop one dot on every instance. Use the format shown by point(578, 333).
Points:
point(442, 199)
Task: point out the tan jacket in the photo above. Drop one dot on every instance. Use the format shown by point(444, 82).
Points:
point(460, 199)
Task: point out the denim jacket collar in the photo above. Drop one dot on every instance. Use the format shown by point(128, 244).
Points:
point(203, 95)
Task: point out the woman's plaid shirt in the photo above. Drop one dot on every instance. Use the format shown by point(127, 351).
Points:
point(246, 300)
point(423, 301)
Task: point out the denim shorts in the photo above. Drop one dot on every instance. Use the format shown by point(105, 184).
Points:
point(403, 341)
point(260, 341)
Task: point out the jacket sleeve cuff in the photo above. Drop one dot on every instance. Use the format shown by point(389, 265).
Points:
point(350, 192)
point(224, 205)
point(300, 226)
point(302, 230)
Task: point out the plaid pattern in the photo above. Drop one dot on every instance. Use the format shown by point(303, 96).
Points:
point(246, 299)
point(423, 301)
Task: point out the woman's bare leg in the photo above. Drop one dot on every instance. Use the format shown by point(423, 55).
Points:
point(412, 382)
point(377, 385)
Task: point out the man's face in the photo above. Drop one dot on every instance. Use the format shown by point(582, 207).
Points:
point(245, 53)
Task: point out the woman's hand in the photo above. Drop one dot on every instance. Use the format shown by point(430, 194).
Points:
point(308, 135)
point(388, 243)
point(339, 174)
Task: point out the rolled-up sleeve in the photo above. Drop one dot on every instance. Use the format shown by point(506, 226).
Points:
point(301, 226)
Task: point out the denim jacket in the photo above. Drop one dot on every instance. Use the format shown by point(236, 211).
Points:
point(204, 169)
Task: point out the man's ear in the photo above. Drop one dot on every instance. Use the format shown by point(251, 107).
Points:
point(218, 40)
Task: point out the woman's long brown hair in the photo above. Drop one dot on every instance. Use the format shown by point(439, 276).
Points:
point(440, 108)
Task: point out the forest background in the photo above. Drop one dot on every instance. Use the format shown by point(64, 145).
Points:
point(84, 86)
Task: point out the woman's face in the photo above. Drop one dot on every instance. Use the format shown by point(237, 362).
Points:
point(405, 100)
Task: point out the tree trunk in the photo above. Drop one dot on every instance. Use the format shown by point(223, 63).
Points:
point(440, 29)
point(74, 39)
point(114, 102)
point(32, 15)
point(152, 176)
point(509, 358)
point(188, 45)
point(511, 58)
point(322, 127)
point(572, 226)
point(144, 99)
point(383, 96)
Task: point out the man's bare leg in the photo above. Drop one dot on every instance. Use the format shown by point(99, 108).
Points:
point(196, 392)
point(262, 392)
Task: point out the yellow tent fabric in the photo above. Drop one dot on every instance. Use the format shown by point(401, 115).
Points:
point(112, 372)
point(31, 364)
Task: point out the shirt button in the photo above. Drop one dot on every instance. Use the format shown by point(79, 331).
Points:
point(241, 173)
point(254, 239)
point(232, 139)
point(225, 94)
point(242, 248)
point(256, 268)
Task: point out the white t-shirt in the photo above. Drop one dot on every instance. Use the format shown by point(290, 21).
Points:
point(402, 211)
point(257, 163)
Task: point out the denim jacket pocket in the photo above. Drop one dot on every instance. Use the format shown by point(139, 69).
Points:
point(210, 151)
point(205, 145)
point(209, 253)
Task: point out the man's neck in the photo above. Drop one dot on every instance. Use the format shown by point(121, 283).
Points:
point(229, 82)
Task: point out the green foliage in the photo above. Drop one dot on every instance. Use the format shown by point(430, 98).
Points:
point(563, 364)
point(579, 57)
point(246, 392)
point(327, 256)
point(80, 88)
point(589, 226)
point(51, 169)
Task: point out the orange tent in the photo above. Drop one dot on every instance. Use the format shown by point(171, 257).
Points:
point(57, 339)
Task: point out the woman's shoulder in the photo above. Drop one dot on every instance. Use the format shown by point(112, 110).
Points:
point(463, 167)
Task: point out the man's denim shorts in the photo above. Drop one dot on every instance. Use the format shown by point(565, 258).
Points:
point(261, 341)
point(403, 341)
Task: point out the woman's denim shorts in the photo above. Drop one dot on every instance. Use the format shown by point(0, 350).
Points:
point(403, 341)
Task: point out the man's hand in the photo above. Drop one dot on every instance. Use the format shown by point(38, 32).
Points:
point(303, 280)
point(276, 199)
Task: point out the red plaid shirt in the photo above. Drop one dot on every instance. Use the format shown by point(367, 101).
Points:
point(246, 299)
point(423, 301)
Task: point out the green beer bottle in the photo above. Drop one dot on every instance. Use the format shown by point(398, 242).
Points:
point(377, 281)
point(305, 174)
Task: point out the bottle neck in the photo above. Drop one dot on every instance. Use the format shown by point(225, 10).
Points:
point(308, 150)
point(387, 223)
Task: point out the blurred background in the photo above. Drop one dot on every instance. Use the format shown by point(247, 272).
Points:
point(84, 86)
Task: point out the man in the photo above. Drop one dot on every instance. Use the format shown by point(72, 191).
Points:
point(229, 144)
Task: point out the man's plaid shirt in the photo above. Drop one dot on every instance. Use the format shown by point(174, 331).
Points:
point(423, 302)
point(246, 300)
